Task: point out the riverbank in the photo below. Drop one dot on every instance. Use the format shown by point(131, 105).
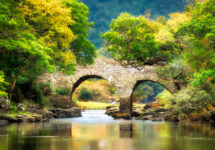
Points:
point(34, 113)
point(154, 112)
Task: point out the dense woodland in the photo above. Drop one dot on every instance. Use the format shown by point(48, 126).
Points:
point(52, 35)
point(103, 11)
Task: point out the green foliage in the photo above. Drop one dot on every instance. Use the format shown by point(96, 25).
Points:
point(83, 49)
point(3, 83)
point(13, 108)
point(62, 91)
point(46, 88)
point(131, 39)
point(35, 39)
point(189, 100)
point(198, 41)
point(85, 94)
point(113, 91)
point(139, 41)
point(147, 92)
point(164, 98)
point(176, 70)
point(102, 11)
point(142, 92)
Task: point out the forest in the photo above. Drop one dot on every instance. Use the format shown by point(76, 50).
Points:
point(43, 36)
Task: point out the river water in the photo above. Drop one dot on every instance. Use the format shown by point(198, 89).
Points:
point(97, 131)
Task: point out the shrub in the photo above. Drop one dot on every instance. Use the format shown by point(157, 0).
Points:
point(113, 91)
point(86, 94)
point(3, 83)
point(62, 91)
point(163, 98)
point(46, 88)
point(61, 101)
point(189, 100)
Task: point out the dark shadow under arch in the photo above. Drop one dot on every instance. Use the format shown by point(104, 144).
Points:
point(82, 79)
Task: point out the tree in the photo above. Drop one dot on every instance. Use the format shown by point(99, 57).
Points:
point(83, 49)
point(21, 52)
point(50, 21)
point(199, 42)
point(139, 41)
point(131, 40)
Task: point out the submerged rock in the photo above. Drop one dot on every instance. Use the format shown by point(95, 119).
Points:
point(66, 113)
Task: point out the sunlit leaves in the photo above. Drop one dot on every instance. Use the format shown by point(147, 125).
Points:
point(3, 83)
point(131, 39)
point(199, 42)
point(50, 20)
point(83, 49)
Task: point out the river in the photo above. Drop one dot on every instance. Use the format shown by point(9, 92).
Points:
point(97, 131)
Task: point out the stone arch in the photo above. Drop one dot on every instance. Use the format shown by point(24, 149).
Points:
point(142, 81)
point(138, 82)
point(86, 77)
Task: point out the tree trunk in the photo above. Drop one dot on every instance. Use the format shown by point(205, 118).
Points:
point(12, 87)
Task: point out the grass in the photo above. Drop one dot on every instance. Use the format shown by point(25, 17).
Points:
point(14, 114)
point(101, 106)
point(92, 105)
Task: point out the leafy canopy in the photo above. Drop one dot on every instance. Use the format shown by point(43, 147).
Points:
point(3, 83)
point(140, 41)
point(199, 42)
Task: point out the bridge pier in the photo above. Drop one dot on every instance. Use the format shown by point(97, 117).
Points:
point(125, 107)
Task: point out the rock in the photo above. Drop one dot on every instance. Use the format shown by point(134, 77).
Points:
point(111, 109)
point(4, 104)
point(66, 113)
point(159, 110)
point(148, 113)
point(147, 106)
point(20, 107)
point(119, 115)
point(157, 119)
point(172, 118)
point(3, 122)
point(37, 118)
point(9, 119)
point(136, 113)
point(34, 109)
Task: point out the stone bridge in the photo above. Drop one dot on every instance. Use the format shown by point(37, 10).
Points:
point(125, 79)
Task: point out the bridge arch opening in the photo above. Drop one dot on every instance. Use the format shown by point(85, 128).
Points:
point(94, 92)
point(146, 91)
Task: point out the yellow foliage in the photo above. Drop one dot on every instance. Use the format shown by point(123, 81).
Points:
point(50, 20)
point(68, 57)
point(164, 35)
point(176, 19)
point(164, 97)
point(93, 105)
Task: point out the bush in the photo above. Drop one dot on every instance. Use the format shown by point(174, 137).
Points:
point(86, 94)
point(189, 100)
point(46, 88)
point(113, 91)
point(3, 83)
point(62, 91)
point(61, 101)
point(177, 70)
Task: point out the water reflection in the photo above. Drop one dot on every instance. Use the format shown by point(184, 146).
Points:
point(126, 130)
point(73, 134)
